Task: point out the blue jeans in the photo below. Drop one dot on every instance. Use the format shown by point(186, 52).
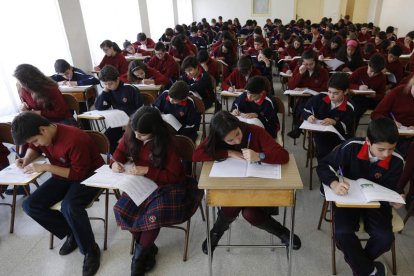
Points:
point(72, 218)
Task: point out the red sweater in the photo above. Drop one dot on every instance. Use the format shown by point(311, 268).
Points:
point(150, 44)
point(400, 103)
point(411, 63)
point(171, 174)
point(166, 66)
point(397, 68)
point(318, 81)
point(261, 141)
point(364, 37)
point(159, 79)
point(377, 83)
point(406, 50)
point(4, 152)
point(72, 148)
point(237, 80)
point(118, 61)
point(213, 68)
point(58, 110)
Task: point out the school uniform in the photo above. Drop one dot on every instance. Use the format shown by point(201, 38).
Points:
point(157, 77)
point(118, 61)
point(406, 50)
point(202, 86)
point(264, 108)
point(411, 64)
point(71, 148)
point(407, 79)
point(353, 64)
point(58, 110)
point(79, 76)
point(125, 97)
point(321, 107)
point(213, 69)
point(363, 38)
point(356, 162)
point(149, 45)
point(396, 68)
point(376, 83)
point(408, 176)
point(174, 201)
point(184, 111)
point(174, 53)
point(328, 52)
point(198, 41)
point(166, 66)
point(229, 58)
point(250, 42)
point(237, 80)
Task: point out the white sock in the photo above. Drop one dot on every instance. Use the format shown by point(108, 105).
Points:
point(373, 272)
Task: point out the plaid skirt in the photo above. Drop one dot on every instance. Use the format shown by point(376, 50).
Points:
point(167, 205)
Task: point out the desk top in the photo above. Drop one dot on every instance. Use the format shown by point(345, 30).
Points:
point(290, 179)
point(361, 92)
point(65, 88)
point(374, 204)
point(148, 87)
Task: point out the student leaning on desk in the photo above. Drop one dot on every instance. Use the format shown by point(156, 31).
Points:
point(68, 75)
point(230, 138)
point(372, 158)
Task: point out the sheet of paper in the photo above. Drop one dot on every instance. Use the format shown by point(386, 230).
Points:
point(363, 91)
point(282, 74)
point(230, 94)
point(405, 130)
point(376, 192)
point(14, 175)
point(64, 88)
point(113, 117)
point(231, 167)
point(318, 127)
point(170, 119)
point(354, 195)
point(264, 170)
point(301, 92)
point(252, 121)
point(333, 63)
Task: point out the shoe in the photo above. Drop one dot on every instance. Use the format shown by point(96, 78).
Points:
point(92, 261)
point(150, 258)
point(285, 238)
point(69, 246)
point(20, 190)
point(3, 188)
point(220, 226)
point(138, 261)
point(275, 228)
point(408, 201)
point(295, 133)
point(381, 269)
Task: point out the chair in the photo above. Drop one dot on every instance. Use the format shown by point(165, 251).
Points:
point(103, 145)
point(280, 110)
point(397, 226)
point(186, 148)
point(148, 98)
point(72, 104)
point(200, 109)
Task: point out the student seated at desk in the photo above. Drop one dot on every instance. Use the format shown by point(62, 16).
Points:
point(237, 80)
point(144, 42)
point(254, 103)
point(140, 73)
point(329, 50)
point(231, 138)
point(130, 50)
point(394, 66)
point(332, 109)
point(351, 55)
point(116, 95)
point(211, 66)
point(226, 53)
point(406, 43)
point(68, 75)
point(113, 56)
point(167, 36)
point(4, 162)
point(368, 51)
point(164, 63)
point(198, 80)
point(310, 74)
point(148, 143)
point(408, 176)
point(368, 77)
point(197, 40)
point(372, 158)
point(73, 157)
point(179, 50)
point(176, 101)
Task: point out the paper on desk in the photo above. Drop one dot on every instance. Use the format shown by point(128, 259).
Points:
point(113, 117)
point(333, 63)
point(15, 175)
point(405, 130)
point(232, 167)
point(64, 88)
point(301, 92)
point(170, 119)
point(318, 127)
point(231, 93)
point(252, 121)
point(363, 91)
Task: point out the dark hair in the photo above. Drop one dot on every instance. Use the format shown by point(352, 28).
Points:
point(141, 36)
point(337, 40)
point(133, 66)
point(396, 50)
point(110, 44)
point(220, 125)
point(37, 82)
point(377, 62)
point(178, 43)
point(61, 66)
point(179, 90)
point(108, 73)
point(194, 29)
point(256, 85)
point(410, 34)
point(244, 65)
point(202, 56)
point(382, 130)
point(310, 54)
point(126, 44)
point(148, 120)
point(26, 125)
point(189, 62)
point(228, 45)
point(389, 30)
point(267, 52)
point(179, 29)
point(356, 58)
point(339, 81)
point(369, 48)
point(258, 30)
point(258, 40)
point(160, 47)
point(169, 32)
point(382, 35)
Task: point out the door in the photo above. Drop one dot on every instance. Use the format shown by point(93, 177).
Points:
point(309, 9)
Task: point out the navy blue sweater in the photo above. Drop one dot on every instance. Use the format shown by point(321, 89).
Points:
point(79, 76)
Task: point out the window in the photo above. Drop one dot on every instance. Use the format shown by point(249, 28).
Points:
point(32, 32)
point(160, 16)
point(106, 19)
point(185, 11)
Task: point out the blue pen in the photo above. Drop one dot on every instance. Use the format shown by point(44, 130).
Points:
point(341, 174)
point(392, 116)
point(248, 139)
point(313, 111)
point(15, 151)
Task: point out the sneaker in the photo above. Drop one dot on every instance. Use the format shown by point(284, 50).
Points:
point(381, 269)
point(69, 246)
point(295, 133)
point(92, 261)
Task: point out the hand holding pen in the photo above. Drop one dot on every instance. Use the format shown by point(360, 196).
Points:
point(312, 119)
point(117, 167)
point(236, 112)
point(340, 187)
point(248, 154)
point(363, 86)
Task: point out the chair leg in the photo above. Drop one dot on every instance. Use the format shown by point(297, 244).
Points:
point(323, 213)
point(106, 219)
point(228, 238)
point(394, 259)
point(333, 248)
point(409, 211)
point(13, 209)
point(51, 241)
point(202, 212)
point(131, 251)
point(186, 240)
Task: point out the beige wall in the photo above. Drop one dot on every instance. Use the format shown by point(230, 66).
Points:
point(361, 9)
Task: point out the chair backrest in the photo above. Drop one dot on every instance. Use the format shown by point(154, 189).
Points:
point(185, 147)
point(5, 133)
point(101, 141)
point(148, 98)
point(281, 110)
point(90, 94)
point(71, 102)
point(198, 104)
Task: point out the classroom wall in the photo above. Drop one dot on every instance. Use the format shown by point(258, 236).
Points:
point(332, 9)
point(397, 13)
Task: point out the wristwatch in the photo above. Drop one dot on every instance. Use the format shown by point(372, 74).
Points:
point(262, 156)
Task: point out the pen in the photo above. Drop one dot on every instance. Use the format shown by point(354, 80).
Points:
point(15, 151)
point(313, 111)
point(392, 116)
point(248, 139)
point(341, 174)
point(109, 155)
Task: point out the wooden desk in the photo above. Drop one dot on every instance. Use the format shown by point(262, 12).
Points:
point(368, 92)
point(225, 95)
point(405, 59)
point(248, 191)
point(150, 89)
point(81, 93)
point(131, 58)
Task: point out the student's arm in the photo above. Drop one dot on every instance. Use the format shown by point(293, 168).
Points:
point(201, 155)
point(202, 86)
point(379, 87)
point(274, 153)
point(310, 107)
point(59, 109)
point(228, 82)
point(355, 79)
point(123, 64)
point(31, 154)
point(267, 115)
point(84, 79)
point(104, 101)
point(170, 174)
point(294, 81)
point(238, 106)
point(192, 119)
point(384, 107)
point(137, 97)
point(160, 101)
point(323, 80)
point(160, 79)
point(329, 165)
point(408, 172)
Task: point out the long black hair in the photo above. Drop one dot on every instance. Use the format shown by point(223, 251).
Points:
point(148, 120)
point(221, 124)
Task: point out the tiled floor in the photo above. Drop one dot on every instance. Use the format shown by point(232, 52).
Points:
point(26, 251)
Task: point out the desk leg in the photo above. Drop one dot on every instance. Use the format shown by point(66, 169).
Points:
point(311, 154)
point(210, 261)
point(292, 231)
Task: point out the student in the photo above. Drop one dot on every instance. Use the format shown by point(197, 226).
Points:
point(144, 42)
point(198, 80)
point(197, 40)
point(394, 65)
point(406, 43)
point(212, 66)
point(226, 53)
point(140, 73)
point(179, 49)
point(73, 157)
point(307, 75)
point(148, 143)
point(113, 56)
point(130, 50)
point(254, 103)
point(164, 63)
point(176, 101)
point(264, 62)
point(381, 43)
point(368, 51)
point(167, 36)
point(237, 80)
point(333, 109)
point(4, 162)
point(390, 33)
point(116, 95)
point(228, 138)
point(364, 36)
point(316, 38)
point(372, 158)
point(368, 77)
point(66, 74)
point(330, 49)
point(351, 55)
point(408, 176)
